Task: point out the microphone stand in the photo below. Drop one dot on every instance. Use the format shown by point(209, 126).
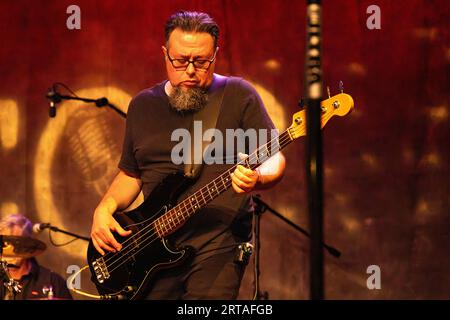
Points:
point(56, 97)
point(313, 143)
point(56, 229)
point(259, 208)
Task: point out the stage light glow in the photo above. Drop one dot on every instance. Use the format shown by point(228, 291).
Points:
point(273, 106)
point(438, 113)
point(8, 208)
point(368, 222)
point(272, 65)
point(92, 150)
point(357, 69)
point(422, 207)
point(431, 160)
point(408, 156)
point(290, 211)
point(45, 155)
point(341, 198)
point(9, 123)
point(424, 33)
point(370, 160)
point(351, 224)
point(328, 171)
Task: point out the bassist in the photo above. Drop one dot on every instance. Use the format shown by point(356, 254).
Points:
point(190, 54)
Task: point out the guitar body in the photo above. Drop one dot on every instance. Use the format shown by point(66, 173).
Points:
point(130, 271)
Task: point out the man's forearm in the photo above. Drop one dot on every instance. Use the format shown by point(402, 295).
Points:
point(121, 193)
point(271, 172)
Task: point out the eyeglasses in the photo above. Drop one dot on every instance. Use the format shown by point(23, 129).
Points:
point(199, 64)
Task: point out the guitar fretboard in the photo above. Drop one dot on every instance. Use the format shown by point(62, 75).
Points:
point(178, 215)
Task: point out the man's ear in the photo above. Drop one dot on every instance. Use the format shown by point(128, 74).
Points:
point(164, 50)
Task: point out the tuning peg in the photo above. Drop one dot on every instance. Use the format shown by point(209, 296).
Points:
point(341, 86)
point(328, 92)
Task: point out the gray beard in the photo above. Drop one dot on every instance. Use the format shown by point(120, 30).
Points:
point(191, 100)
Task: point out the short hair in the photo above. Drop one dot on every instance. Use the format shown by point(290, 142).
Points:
point(192, 21)
point(13, 220)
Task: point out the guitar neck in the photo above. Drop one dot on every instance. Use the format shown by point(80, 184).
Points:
point(340, 105)
point(178, 215)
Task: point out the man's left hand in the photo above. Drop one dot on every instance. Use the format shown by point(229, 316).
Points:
point(243, 179)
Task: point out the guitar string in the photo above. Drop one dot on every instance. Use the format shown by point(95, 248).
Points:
point(126, 254)
point(287, 138)
point(200, 190)
point(143, 244)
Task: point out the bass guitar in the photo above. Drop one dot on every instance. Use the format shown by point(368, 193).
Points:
point(128, 272)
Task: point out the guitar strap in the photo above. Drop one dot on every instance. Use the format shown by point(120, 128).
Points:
point(208, 116)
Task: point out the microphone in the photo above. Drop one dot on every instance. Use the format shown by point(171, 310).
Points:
point(39, 227)
point(54, 98)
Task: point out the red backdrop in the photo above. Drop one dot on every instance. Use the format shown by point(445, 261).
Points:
point(386, 164)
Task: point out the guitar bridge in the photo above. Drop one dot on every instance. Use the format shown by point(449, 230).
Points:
point(100, 269)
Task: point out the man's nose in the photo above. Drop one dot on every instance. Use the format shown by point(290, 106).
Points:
point(190, 70)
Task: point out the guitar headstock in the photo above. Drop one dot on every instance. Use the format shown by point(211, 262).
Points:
point(338, 105)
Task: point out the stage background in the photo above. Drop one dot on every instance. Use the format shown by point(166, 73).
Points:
point(386, 164)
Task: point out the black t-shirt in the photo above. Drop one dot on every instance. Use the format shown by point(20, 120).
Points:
point(37, 283)
point(147, 152)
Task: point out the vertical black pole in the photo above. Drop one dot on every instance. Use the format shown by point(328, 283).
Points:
point(313, 93)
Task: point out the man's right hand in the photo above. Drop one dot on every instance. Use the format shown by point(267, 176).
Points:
point(123, 190)
point(103, 224)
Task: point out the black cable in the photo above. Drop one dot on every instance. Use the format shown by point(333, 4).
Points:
point(59, 244)
point(65, 87)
